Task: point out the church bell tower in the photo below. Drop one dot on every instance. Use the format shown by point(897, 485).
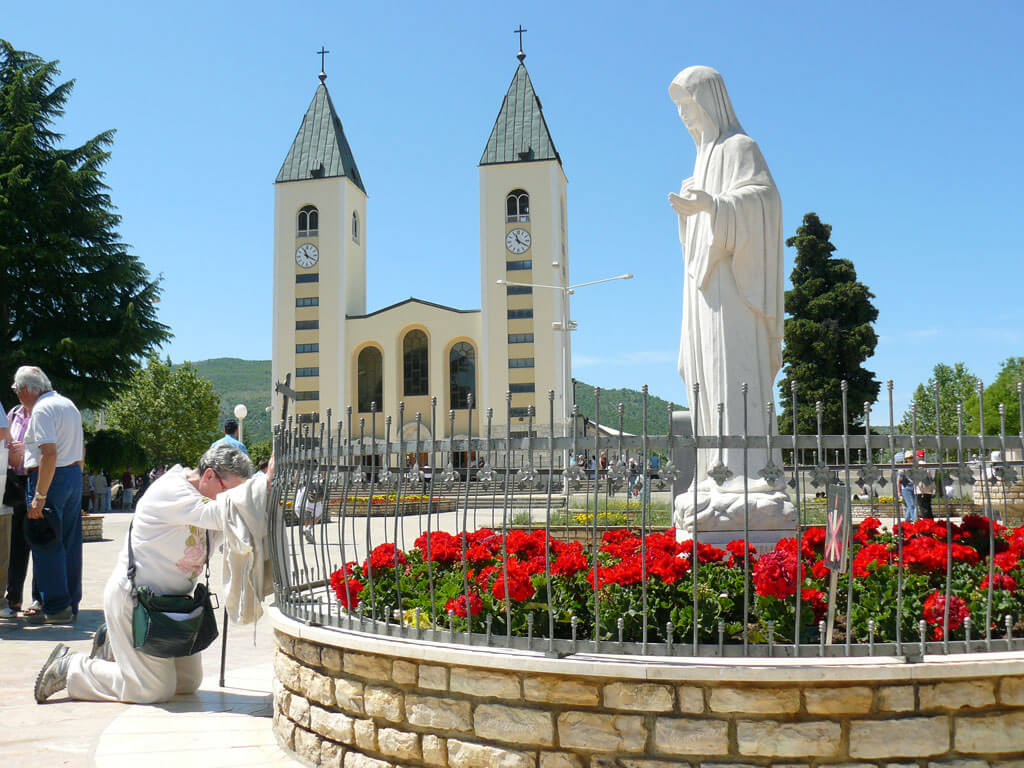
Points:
point(319, 259)
point(523, 239)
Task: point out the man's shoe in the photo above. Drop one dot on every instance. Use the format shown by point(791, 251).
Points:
point(67, 616)
point(8, 613)
point(53, 677)
point(100, 644)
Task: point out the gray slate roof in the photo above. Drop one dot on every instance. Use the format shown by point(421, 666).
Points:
point(320, 149)
point(520, 134)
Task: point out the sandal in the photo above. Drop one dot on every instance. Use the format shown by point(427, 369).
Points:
point(33, 609)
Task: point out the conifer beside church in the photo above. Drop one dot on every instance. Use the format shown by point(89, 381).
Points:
point(828, 335)
point(74, 301)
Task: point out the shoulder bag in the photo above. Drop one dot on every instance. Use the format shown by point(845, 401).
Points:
point(171, 626)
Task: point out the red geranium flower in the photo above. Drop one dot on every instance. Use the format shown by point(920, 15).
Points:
point(1007, 561)
point(867, 530)
point(520, 587)
point(483, 579)
point(668, 568)
point(934, 611)
point(570, 560)
point(812, 542)
point(707, 553)
point(1000, 581)
point(925, 554)
point(620, 543)
point(624, 573)
point(444, 548)
point(525, 545)
point(872, 554)
point(384, 556)
point(819, 570)
point(346, 590)
point(485, 537)
point(478, 553)
point(775, 574)
point(458, 605)
point(816, 599)
point(666, 543)
point(736, 549)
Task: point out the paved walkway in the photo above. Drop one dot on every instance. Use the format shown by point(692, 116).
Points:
point(227, 726)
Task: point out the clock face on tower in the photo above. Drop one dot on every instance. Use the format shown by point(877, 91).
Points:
point(517, 240)
point(307, 255)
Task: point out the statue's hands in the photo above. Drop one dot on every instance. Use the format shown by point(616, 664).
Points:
point(690, 201)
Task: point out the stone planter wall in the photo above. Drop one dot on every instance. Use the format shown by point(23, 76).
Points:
point(352, 700)
point(92, 527)
point(1012, 496)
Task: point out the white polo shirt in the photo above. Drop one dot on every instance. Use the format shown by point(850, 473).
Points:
point(55, 419)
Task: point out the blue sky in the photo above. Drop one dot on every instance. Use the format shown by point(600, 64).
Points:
point(898, 123)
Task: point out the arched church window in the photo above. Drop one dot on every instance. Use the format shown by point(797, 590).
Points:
point(517, 206)
point(415, 361)
point(355, 227)
point(462, 375)
point(370, 373)
point(309, 221)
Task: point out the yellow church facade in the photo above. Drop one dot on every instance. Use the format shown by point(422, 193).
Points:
point(505, 355)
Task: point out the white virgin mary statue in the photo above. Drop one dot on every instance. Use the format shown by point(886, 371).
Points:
point(730, 228)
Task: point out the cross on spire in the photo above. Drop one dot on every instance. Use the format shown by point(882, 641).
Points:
point(519, 32)
point(323, 69)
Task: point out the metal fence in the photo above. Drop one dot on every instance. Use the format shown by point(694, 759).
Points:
point(339, 494)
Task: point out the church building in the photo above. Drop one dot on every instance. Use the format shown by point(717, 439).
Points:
point(504, 356)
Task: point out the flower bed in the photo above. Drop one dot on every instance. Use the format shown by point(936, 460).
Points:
point(484, 573)
point(379, 505)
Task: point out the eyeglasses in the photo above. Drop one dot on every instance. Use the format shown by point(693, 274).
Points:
point(219, 478)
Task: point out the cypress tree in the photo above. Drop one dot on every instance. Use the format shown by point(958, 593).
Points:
point(74, 300)
point(828, 335)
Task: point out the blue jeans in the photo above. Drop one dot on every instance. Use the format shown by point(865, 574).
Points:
point(910, 502)
point(58, 570)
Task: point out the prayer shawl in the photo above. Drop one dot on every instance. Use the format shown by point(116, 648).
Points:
point(248, 576)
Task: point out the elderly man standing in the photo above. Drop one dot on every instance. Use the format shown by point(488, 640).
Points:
point(54, 451)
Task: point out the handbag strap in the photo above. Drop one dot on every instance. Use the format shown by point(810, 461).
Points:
point(131, 559)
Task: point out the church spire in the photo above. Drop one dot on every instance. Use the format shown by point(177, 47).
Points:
point(320, 149)
point(520, 133)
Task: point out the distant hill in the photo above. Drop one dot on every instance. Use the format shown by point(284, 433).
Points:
point(632, 418)
point(241, 381)
point(248, 382)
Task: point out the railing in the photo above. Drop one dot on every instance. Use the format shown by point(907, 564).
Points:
point(388, 555)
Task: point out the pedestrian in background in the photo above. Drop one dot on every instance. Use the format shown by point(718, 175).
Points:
point(127, 489)
point(231, 437)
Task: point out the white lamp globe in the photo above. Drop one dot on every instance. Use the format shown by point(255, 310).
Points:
point(241, 411)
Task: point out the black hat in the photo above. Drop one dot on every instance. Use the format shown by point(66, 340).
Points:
point(230, 425)
point(43, 533)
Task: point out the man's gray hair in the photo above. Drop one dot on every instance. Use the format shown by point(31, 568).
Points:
point(33, 379)
point(227, 459)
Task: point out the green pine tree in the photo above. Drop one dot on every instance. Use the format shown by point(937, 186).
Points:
point(828, 336)
point(74, 301)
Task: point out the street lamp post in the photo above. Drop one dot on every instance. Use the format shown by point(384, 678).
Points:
point(240, 413)
point(567, 326)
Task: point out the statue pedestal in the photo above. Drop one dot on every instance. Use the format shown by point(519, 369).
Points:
point(770, 516)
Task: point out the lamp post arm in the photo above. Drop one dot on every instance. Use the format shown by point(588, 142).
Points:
point(627, 276)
